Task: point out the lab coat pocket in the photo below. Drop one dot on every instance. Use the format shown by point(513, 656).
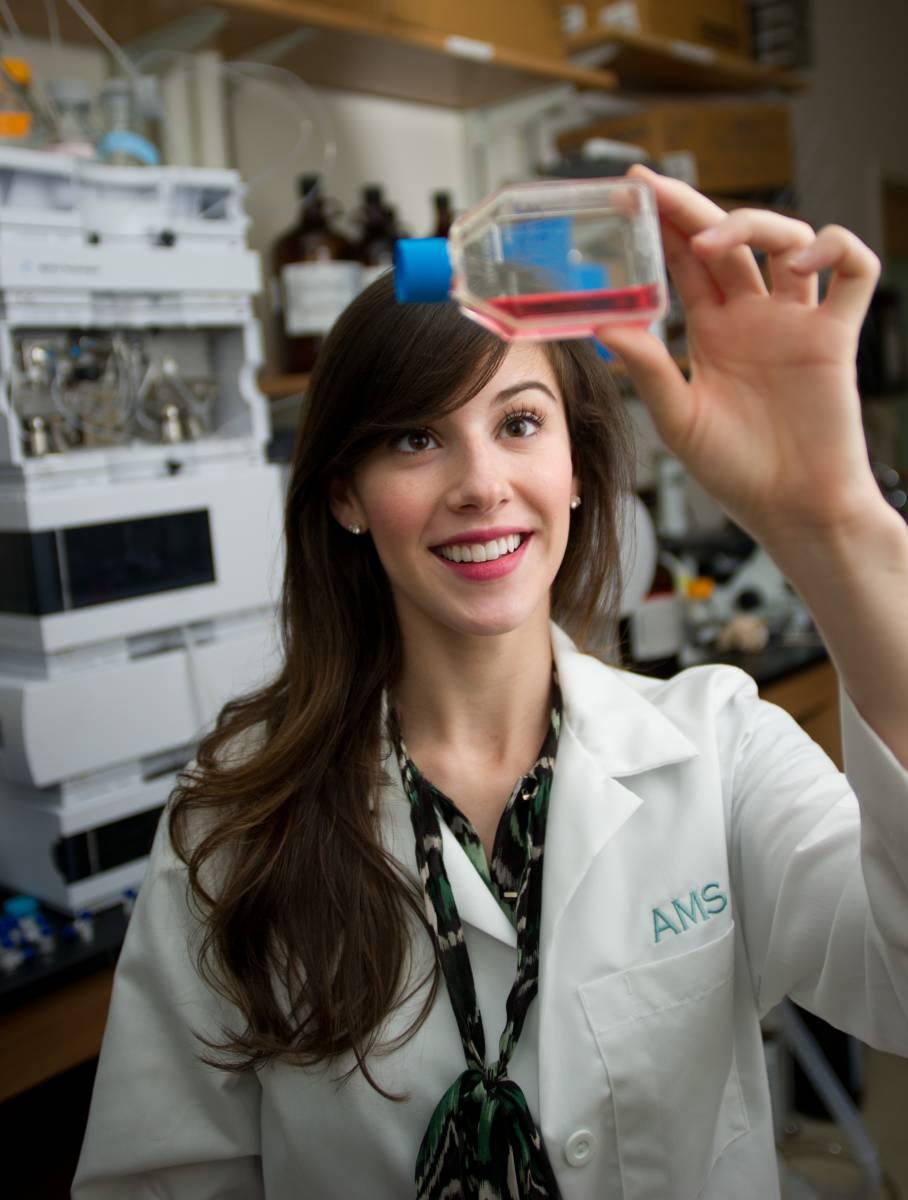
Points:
point(665, 1031)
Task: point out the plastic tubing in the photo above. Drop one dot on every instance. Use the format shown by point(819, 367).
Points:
point(125, 62)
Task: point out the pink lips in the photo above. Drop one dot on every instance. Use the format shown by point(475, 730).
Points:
point(496, 569)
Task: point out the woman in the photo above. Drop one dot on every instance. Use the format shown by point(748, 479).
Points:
point(351, 898)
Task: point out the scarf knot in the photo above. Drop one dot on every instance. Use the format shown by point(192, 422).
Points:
point(483, 1136)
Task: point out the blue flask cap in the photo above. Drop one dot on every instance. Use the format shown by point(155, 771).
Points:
point(422, 270)
point(18, 907)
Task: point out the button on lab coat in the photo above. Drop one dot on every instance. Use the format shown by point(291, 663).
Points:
point(703, 860)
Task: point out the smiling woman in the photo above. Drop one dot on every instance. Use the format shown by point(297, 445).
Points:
point(440, 502)
point(345, 903)
point(457, 459)
point(424, 430)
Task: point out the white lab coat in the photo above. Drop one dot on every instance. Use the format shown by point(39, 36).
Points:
point(703, 860)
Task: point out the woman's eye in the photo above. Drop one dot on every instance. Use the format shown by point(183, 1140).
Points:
point(414, 441)
point(522, 425)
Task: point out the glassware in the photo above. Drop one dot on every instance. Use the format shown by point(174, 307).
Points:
point(554, 259)
point(123, 144)
point(379, 234)
point(316, 276)
point(444, 216)
point(72, 100)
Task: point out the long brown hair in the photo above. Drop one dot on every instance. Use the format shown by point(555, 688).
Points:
point(307, 929)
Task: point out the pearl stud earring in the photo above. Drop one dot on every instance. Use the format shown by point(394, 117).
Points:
point(575, 501)
point(356, 529)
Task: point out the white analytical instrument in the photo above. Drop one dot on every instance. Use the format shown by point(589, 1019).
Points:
point(140, 521)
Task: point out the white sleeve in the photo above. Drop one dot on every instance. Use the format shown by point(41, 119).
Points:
point(819, 861)
point(162, 1125)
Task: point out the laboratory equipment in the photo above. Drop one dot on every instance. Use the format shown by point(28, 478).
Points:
point(126, 105)
point(444, 215)
point(316, 276)
point(379, 234)
point(555, 259)
point(74, 134)
point(139, 517)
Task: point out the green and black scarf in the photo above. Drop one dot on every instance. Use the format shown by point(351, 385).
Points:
point(482, 1142)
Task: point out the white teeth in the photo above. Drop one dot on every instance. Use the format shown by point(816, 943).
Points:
point(481, 551)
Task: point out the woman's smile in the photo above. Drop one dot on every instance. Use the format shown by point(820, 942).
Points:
point(481, 560)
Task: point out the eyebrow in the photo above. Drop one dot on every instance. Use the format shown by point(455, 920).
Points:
point(524, 386)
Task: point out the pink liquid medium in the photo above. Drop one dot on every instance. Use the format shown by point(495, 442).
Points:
point(570, 314)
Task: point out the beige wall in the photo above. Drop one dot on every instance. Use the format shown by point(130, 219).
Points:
point(851, 125)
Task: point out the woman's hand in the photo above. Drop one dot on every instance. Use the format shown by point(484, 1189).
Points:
point(770, 421)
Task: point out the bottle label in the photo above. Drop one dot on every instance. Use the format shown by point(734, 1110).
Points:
point(316, 293)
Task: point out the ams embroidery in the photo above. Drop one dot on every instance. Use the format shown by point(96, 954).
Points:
point(701, 905)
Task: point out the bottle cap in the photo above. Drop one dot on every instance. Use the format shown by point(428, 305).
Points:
point(701, 588)
point(422, 270)
point(20, 906)
point(373, 194)
point(18, 70)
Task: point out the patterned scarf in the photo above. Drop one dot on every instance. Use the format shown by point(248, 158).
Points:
point(482, 1142)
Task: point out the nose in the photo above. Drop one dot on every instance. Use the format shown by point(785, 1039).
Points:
point(479, 481)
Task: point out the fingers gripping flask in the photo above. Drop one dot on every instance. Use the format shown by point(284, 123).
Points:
point(554, 259)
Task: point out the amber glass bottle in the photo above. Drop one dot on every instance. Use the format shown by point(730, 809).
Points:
point(315, 276)
point(378, 234)
point(443, 214)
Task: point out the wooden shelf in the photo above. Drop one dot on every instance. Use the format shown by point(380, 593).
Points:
point(278, 387)
point(340, 48)
point(644, 62)
point(359, 52)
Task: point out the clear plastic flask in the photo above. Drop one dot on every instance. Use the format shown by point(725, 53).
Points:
point(554, 259)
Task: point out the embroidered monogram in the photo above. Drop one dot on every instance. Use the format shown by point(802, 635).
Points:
point(699, 906)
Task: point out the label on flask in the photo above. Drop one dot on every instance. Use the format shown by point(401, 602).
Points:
point(316, 293)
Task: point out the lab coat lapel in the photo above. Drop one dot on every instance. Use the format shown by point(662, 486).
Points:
point(475, 902)
point(608, 730)
point(586, 810)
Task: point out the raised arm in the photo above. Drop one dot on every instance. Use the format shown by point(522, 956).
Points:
point(770, 424)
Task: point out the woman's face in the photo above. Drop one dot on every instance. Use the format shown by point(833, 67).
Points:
point(470, 515)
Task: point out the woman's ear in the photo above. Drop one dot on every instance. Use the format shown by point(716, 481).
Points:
point(344, 504)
